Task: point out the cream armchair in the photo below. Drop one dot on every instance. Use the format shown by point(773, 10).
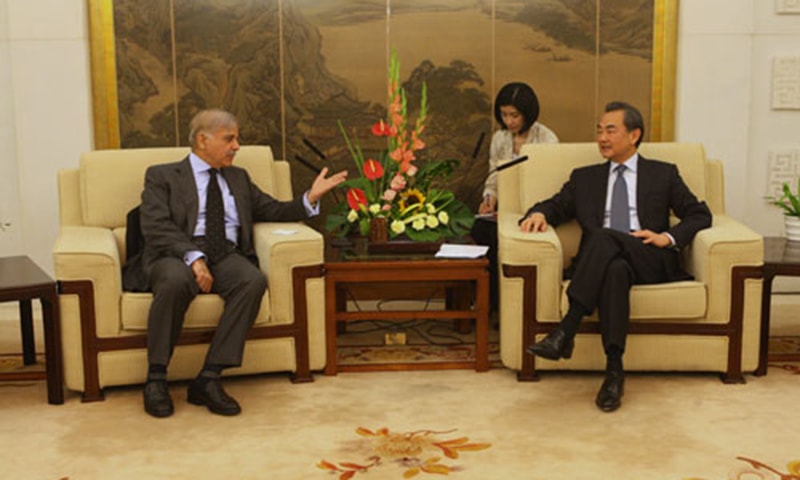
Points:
point(708, 324)
point(104, 328)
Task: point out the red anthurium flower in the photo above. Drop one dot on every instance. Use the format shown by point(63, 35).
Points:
point(356, 198)
point(381, 129)
point(373, 169)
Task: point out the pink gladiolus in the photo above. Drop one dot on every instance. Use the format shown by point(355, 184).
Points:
point(398, 182)
point(373, 169)
point(389, 195)
point(356, 198)
point(412, 170)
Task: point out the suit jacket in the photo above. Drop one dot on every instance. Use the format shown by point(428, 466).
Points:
point(660, 189)
point(169, 209)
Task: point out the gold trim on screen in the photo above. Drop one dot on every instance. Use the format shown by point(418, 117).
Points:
point(104, 74)
point(665, 42)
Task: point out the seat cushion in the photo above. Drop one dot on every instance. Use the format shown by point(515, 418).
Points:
point(665, 301)
point(204, 311)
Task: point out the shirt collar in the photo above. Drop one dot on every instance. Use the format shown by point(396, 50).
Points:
point(198, 164)
point(631, 164)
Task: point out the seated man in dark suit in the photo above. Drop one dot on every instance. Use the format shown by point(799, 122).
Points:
point(623, 207)
point(197, 219)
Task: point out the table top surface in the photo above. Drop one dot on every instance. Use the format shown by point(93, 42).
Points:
point(21, 272)
point(358, 252)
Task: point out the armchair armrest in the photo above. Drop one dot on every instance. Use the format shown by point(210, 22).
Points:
point(543, 250)
point(91, 253)
point(713, 254)
point(278, 254)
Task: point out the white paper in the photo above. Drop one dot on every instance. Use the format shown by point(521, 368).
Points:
point(282, 231)
point(452, 250)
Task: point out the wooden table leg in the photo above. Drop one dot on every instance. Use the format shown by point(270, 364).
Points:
point(26, 327)
point(763, 343)
point(482, 323)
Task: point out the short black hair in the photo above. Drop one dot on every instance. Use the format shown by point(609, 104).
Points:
point(520, 96)
point(632, 117)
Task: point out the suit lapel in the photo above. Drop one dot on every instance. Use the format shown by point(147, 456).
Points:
point(600, 177)
point(236, 186)
point(643, 185)
point(188, 192)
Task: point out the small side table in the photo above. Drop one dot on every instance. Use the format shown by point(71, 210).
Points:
point(21, 280)
point(781, 257)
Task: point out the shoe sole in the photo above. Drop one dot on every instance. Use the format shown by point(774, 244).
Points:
point(201, 403)
point(158, 414)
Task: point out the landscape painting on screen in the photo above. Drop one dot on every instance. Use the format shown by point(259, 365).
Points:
point(292, 69)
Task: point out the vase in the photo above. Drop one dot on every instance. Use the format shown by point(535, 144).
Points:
point(378, 230)
point(792, 225)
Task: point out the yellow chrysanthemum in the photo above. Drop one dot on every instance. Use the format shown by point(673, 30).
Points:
point(410, 198)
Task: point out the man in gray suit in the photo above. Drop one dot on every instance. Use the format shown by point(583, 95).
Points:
point(180, 259)
point(623, 207)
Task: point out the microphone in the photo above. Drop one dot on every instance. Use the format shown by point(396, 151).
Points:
point(314, 148)
point(308, 164)
point(510, 164)
point(478, 145)
point(498, 168)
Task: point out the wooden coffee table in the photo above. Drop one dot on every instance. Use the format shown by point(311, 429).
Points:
point(21, 280)
point(353, 267)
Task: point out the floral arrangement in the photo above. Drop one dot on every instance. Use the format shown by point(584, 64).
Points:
point(394, 187)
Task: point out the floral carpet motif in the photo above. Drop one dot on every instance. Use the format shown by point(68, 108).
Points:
point(410, 453)
point(751, 469)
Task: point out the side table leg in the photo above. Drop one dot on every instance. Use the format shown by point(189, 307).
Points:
point(763, 344)
point(26, 327)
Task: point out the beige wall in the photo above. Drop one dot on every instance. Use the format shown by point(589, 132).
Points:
point(723, 100)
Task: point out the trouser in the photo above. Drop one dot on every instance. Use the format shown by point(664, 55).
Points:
point(241, 285)
point(608, 264)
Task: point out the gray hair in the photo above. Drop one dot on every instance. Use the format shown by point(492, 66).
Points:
point(208, 121)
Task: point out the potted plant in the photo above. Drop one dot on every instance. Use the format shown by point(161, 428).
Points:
point(790, 203)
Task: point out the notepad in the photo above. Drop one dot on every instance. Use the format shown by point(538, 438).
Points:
point(451, 250)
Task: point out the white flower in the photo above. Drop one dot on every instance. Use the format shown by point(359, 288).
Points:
point(431, 208)
point(431, 221)
point(375, 208)
point(444, 217)
point(398, 226)
point(352, 216)
point(418, 224)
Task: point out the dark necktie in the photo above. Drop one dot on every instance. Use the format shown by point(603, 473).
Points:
point(215, 245)
point(620, 213)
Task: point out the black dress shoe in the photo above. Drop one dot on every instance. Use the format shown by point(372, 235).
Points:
point(210, 393)
point(157, 401)
point(609, 398)
point(554, 346)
